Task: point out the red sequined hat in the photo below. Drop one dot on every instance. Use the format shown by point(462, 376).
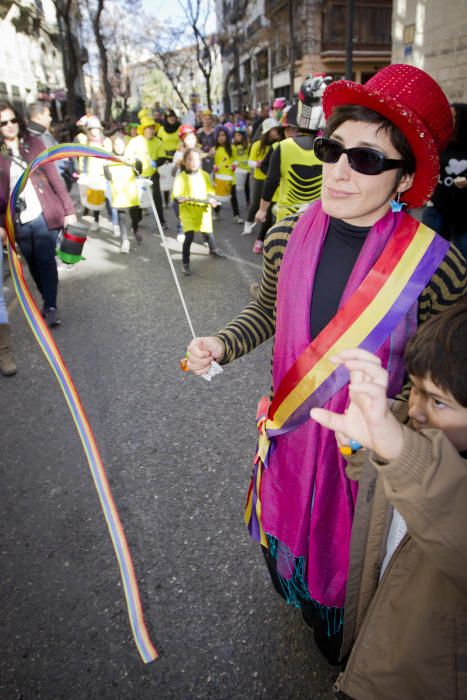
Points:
point(415, 103)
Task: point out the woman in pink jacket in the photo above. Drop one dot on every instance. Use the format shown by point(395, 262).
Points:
point(43, 207)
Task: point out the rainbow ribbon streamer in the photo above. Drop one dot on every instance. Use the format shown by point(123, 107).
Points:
point(44, 338)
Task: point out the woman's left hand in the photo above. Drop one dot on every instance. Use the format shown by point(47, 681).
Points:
point(70, 219)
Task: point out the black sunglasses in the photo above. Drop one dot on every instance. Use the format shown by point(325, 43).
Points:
point(9, 121)
point(363, 160)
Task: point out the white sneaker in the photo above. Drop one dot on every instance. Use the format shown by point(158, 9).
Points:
point(238, 219)
point(116, 230)
point(248, 228)
point(94, 226)
point(125, 247)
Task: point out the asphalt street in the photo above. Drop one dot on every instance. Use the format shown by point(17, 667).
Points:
point(178, 453)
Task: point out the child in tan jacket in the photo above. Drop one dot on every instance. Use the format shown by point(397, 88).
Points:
point(406, 603)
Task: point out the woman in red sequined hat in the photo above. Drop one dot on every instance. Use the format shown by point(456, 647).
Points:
point(353, 270)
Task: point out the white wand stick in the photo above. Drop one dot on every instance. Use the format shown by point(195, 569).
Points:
point(215, 368)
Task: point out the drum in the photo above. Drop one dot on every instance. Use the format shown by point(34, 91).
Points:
point(240, 178)
point(223, 187)
point(144, 189)
point(72, 241)
point(92, 193)
point(166, 180)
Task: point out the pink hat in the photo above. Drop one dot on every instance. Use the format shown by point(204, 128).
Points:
point(415, 103)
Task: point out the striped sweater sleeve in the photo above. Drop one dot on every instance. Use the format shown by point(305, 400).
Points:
point(448, 284)
point(256, 323)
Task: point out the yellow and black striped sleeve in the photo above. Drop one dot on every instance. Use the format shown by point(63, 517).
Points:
point(448, 284)
point(256, 323)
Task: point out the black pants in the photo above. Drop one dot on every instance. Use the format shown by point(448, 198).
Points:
point(234, 200)
point(329, 645)
point(255, 199)
point(95, 213)
point(247, 190)
point(156, 193)
point(256, 194)
point(189, 235)
point(135, 218)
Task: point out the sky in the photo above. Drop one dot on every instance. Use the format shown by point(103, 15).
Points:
point(172, 10)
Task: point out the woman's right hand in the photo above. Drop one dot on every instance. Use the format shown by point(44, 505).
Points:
point(2, 235)
point(202, 351)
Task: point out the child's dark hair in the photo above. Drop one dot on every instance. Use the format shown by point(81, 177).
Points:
point(265, 140)
point(188, 152)
point(357, 113)
point(228, 139)
point(438, 350)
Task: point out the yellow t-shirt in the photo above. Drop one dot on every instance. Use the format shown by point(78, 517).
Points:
point(194, 217)
point(224, 163)
point(123, 187)
point(241, 155)
point(148, 152)
point(257, 155)
point(170, 141)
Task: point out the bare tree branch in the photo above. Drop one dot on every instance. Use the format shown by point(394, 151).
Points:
point(203, 46)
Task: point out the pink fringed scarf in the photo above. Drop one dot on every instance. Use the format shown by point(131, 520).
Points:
point(307, 500)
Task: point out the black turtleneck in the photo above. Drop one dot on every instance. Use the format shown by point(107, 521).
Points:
point(340, 252)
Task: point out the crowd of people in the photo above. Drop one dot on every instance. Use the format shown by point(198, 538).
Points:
point(356, 497)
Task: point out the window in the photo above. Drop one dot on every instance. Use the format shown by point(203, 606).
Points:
point(262, 64)
point(371, 23)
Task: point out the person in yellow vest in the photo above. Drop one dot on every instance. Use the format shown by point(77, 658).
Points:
point(224, 164)
point(146, 112)
point(93, 168)
point(194, 192)
point(148, 148)
point(293, 168)
point(168, 134)
point(259, 150)
point(240, 149)
point(124, 196)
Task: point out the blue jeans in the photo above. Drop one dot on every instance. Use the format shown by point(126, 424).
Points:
point(37, 243)
point(3, 309)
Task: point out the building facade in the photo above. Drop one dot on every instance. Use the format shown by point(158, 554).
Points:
point(432, 35)
point(32, 59)
point(272, 45)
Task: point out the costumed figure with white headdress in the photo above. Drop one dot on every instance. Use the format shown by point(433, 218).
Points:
point(293, 166)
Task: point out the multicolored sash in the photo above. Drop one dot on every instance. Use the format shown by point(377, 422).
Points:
point(373, 312)
point(47, 344)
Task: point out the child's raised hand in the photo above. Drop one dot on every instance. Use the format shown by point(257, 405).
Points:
point(368, 419)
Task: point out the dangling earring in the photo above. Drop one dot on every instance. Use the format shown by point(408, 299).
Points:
point(396, 204)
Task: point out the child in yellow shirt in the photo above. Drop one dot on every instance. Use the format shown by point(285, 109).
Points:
point(224, 164)
point(193, 190)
